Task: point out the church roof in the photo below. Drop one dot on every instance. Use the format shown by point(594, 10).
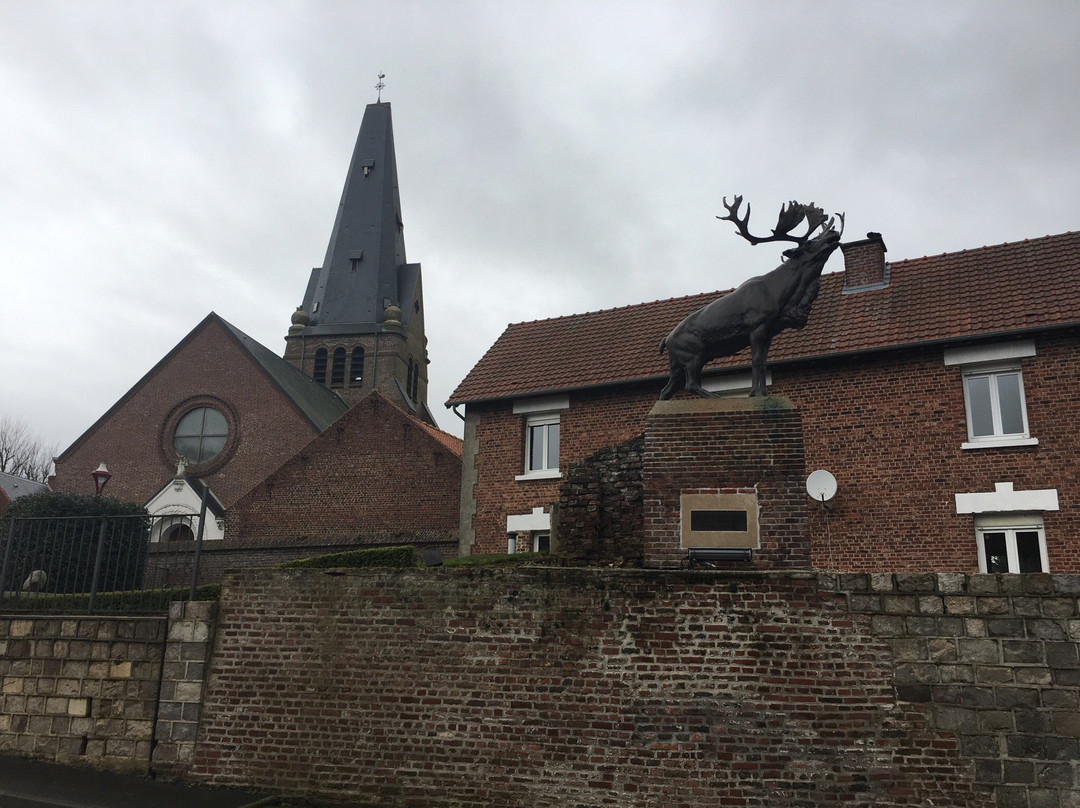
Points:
point(319, 404)
point(982, 293)
point(359, 277)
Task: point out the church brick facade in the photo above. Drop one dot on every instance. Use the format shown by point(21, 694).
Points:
point(135, 439)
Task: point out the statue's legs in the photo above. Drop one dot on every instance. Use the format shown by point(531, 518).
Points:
point(675, 383)
point(759, 350)
point(693, 379)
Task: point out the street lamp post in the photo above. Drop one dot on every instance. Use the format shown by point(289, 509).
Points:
point(101, 476)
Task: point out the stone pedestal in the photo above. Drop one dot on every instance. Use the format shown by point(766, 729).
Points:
point(736, 469)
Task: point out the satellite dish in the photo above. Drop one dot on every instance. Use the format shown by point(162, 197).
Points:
point(821, 485)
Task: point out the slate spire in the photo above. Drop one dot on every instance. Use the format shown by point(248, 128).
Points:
point(359, 276)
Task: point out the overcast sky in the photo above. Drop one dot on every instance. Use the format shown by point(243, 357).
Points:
point(165, 160)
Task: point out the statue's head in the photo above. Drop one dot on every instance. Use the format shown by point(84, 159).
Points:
point(819, 247)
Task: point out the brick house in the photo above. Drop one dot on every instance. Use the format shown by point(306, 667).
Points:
point(244, 418)
point(941, 392)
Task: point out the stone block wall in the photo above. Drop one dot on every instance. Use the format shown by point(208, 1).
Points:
point(86, 689)
point(80, 689)
point(187, 658)
point(600, 519)
point(992, 660)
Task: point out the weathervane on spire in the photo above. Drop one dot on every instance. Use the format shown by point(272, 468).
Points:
point(380, 86)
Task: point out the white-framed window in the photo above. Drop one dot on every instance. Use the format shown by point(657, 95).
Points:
point(994, 400)
point(542, 443)
point(542, 434)
point(1011, 543)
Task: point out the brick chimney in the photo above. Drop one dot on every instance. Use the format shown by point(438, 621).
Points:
point(864, 264)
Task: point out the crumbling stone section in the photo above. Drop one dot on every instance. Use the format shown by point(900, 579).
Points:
point(600, 519)
point(80, 689)
point(187, 657)
point(992, 660)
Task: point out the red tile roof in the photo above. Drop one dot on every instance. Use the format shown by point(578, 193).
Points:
point(1021, 286)
point(451, 442)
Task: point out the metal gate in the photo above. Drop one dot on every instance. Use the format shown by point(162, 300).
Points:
point(98, 564)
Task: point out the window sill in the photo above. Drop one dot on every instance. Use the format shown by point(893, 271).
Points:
point(999, 443)
point(546, 474)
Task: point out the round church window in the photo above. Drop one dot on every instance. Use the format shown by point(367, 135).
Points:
point(200, 435)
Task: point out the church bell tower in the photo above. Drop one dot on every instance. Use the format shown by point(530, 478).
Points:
point(361, 324)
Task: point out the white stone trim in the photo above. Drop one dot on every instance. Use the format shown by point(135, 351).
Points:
point(998, 443)
point(537, 520)
point(543, 404)
point(1003, 499)
point(542, 474)
point(995, 352)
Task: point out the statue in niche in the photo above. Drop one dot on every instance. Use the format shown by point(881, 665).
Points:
point(761, 307)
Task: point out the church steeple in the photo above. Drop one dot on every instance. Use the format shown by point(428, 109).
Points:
point(360, 326)
point(358, 278)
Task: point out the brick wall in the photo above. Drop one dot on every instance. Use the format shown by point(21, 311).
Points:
point(864, 262)
point(889, 426)
point(133, 438)
point(890, 429)
point(547, 687)
point(375, 475)
point(544, 686)
point(726, 446)
point(85, 689)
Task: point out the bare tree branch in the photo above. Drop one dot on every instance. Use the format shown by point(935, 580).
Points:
point(23, 453)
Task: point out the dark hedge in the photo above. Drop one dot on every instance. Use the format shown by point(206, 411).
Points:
point(58, 533)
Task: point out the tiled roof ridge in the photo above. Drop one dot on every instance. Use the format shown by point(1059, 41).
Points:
point(451, 442)
point(984, 248)
point(642, 304)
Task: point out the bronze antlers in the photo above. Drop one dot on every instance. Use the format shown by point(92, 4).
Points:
point(791, 215)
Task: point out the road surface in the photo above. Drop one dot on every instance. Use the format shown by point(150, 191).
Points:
point(32, 784)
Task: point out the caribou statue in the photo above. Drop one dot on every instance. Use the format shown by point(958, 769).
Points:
point(759, 309)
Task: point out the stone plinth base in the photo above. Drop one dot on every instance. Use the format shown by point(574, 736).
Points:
point(738, 452)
